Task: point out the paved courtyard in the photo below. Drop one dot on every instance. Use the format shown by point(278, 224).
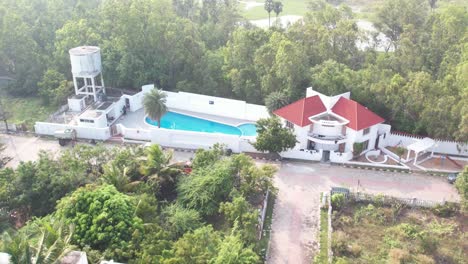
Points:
point(296, 212)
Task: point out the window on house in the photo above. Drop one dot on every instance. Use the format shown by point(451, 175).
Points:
point(366, 131)
point(86, 121)
point(365, 145)
point(289, 125)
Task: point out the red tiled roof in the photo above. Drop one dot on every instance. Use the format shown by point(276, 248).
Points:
point(300, 111)
point(359, 116)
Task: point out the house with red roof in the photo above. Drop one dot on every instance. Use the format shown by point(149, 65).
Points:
point(329, 126)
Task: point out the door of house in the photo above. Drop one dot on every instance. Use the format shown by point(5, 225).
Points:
point(127, 103)
point(377, 142)
point(310, 144)
point(325, 156)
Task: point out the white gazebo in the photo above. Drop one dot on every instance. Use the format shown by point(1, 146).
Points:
point(422, 145)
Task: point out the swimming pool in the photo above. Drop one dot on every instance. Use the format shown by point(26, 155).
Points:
point(172, 120)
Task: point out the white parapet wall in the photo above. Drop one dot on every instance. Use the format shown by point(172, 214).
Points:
point(216, 106)
point(49, 129)
point(442, 146)
point(339, 157)
point(315, 155)
point(187, 139)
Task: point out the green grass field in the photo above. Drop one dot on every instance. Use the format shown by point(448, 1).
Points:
point(26, 110)
point(290, 7)
point(364, 9)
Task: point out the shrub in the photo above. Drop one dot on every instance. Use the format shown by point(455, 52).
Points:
point(358, 148)
point(445, 210)
point(343, 221)
point(423, 259)
point(355, 250)
point(440, 229)
point(340, 243)
point(337, 201)
point(428, 243)
point(397, 256)
point(369, 212)
point(341, 261)
point(379, 200)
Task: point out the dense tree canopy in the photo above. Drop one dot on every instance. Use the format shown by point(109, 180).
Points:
point(206, 47)
point(104, 218)
point(110, 203)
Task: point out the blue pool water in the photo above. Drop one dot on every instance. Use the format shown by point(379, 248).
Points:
point(178, 121)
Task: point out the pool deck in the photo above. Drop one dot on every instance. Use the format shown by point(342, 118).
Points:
point(137, 119)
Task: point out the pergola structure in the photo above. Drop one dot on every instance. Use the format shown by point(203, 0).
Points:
point(422, 145)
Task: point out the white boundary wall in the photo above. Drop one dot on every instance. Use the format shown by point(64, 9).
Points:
point(187, 139)
point(216, 106)
point(49, 129)
point(442, 146)
point(302, 155)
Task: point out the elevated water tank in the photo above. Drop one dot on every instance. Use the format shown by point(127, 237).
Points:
point(85, 61)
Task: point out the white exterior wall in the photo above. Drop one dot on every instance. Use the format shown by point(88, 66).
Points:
point(49, 129)
point(221, 106)
point(76, 105)
point(353, 136)
point(136, 101)
point(99, 122)
point(327, 130)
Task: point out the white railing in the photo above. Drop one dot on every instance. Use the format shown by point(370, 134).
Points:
point(326, 137)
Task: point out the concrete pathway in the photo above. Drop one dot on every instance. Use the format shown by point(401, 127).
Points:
point(296, 213)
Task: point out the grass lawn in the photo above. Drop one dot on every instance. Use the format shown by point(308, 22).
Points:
point(262, 244)
point(26, 110)
point(322, 256)
point(290, 7)
point(368, 233)
point(363, 9)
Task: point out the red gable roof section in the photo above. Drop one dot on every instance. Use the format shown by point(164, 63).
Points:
point(300, 111)
point(359, 116)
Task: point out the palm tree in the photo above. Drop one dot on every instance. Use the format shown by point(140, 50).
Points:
point(278, 8)
point(269, 8)
point(159, 171)
point(42, 241)
point(155, 105)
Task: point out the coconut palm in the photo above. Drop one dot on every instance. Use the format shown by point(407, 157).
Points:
point(155, 104)
point(159, 171)
point(42, 241)
point(278, 8)
point(269, 7)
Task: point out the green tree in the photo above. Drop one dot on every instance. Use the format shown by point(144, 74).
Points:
point(159, 171)
point(198, 247)
point(104, 218)
point(42, 241)
point(155, 105)
point(180, 220)
point(273, 137)
point(206, 187)
point(232, 250)
point(269, 7)
point(53, 88)
point(276, 100)
point(462, 187)
point(393, 16)
point(278, 8)
point(241, 212)
point(204, 158)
